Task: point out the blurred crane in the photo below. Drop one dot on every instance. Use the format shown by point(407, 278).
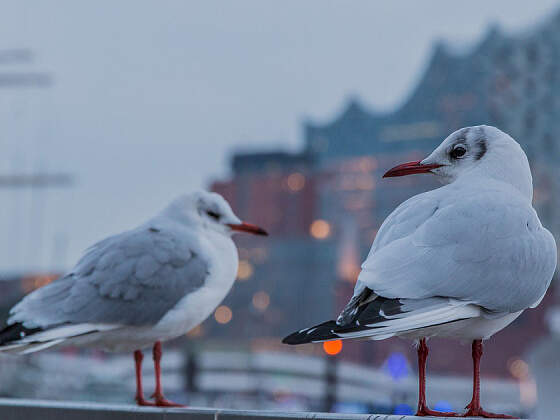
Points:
point(17, 80)
point(37, 180)
point(15, 75)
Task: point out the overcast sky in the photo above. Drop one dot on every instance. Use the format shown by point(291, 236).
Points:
point(150, 98)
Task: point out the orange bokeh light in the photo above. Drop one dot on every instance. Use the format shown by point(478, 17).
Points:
point(332, 347)
point(223, 314)
point(320, 229)
point(244, 270)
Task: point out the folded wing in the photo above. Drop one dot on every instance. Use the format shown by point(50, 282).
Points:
point(486, 248)
point(132, 278)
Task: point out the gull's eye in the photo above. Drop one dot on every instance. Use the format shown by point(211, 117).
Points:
point(458, 152)
point(213, 214)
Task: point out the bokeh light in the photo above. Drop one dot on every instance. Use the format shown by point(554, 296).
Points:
point(223, 314)
point(261, 300)
point(332, 347)
point(244, 270)
point(397, 365)
point(518, 368)
point(320, 229)
point(296, 182)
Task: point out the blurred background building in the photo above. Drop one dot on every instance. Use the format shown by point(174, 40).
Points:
point(323, 205)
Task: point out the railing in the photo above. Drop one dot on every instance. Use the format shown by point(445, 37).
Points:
point(12, 409)
point(244, 380)
point(329, 380)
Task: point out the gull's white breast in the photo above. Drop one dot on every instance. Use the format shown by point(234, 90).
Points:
point(195, 307)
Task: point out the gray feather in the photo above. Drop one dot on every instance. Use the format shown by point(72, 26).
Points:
point(133, 278)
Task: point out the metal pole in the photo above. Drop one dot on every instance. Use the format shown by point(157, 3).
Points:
point(192, 371)
point(331, 382)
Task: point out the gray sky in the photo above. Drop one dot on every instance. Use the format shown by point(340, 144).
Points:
point(151, 97)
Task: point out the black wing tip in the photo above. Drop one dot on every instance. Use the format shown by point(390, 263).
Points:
point(291, 339)
point(297, 338)
point(14, 332)
point(321, 332)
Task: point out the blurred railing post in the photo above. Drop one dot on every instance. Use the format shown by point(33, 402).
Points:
point(191, 372)
point(331, 383)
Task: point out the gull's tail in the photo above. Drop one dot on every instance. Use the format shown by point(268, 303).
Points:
point(16, 338)
point(376, 318)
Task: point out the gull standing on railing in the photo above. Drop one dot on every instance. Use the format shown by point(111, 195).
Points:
point(147, 285)
point(461, 261)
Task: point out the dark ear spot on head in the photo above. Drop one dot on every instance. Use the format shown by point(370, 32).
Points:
point(481, 148)
point(464, 132)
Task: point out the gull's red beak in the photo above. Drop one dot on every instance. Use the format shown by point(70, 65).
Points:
point(249, 228)
point(410, 168)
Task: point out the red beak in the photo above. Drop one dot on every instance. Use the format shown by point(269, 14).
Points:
point(249, 228)
point(410, 168)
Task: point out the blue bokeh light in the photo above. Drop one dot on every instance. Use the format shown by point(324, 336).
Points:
point(397, 366)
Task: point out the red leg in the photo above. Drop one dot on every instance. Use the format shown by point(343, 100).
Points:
point(161, 401)
point(423, 409)
point(474, 409)
point(140, 400)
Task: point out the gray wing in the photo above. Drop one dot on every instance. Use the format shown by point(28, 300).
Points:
point(132, 278)
point(486, 248)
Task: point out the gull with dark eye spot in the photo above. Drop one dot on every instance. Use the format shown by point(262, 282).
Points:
point(137, 288)
point(461, 261)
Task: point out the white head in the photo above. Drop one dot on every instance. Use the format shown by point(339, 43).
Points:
point(209, 210)
point(474, 151)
